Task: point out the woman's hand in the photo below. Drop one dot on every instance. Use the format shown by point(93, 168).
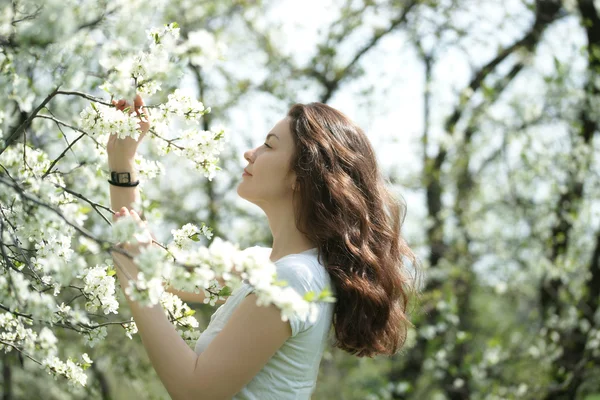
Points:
point(123, 150)
point(125, 264)
point(143, 240)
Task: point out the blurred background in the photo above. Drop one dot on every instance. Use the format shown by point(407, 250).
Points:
point(484, 116)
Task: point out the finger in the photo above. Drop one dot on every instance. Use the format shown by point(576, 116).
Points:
point(136, 217)
point(118, 214)
point(140, 107)
point(123, 104)
point(138, 101)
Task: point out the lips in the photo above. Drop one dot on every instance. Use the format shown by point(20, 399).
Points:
point(246, 171)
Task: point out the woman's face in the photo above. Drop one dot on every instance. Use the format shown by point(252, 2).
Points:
point(269, 166)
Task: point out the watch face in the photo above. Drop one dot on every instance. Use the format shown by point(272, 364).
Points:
point(123, 177)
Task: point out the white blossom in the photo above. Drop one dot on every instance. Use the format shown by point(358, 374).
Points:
point(95, 336)
point(70, 370)
point(100, 288)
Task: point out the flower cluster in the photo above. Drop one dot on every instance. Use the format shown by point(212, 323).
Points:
point(95, 336)
point(181, 315)
point(14, 334)
point(73, 371)
point(202, 48)
point(192, 143)
point(185, 237)
point(99, 119)
point(127, 230)
point(100, 290)
point(183, 105)
point(145, 68)
point(130, 328)
point(221, 260)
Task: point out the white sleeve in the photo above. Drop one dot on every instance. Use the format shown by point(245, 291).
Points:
point(300, 275)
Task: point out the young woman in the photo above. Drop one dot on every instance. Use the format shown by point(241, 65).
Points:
point(334, 224)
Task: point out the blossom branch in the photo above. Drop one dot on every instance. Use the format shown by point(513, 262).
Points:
point(27, 122)
point(62, 155)
point(94, 205)
point(85, 96)
point(69, 126)
point(20, 351)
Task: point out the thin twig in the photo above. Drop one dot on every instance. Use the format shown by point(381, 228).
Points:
point(70, 126)
point(27, 122)
point(62, 155)
point(94, 205)
point(85, 96)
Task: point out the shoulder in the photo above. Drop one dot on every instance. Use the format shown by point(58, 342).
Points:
point(302, 271)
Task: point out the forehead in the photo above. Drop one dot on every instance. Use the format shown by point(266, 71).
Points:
point(281, 130)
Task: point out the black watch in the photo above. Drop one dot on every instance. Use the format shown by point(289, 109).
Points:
point(121, 179)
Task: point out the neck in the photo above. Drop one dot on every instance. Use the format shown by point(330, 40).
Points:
point(287, 239)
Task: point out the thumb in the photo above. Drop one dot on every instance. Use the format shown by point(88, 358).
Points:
point(138, 103)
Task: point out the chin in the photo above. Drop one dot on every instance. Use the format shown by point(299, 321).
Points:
point(240, 192)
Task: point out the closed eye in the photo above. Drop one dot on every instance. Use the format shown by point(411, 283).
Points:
point(267, 145)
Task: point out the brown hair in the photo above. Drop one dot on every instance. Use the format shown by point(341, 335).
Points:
point(343, 206)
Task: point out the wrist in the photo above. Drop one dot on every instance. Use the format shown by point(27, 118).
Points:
point(127, 165)
point(124, 167)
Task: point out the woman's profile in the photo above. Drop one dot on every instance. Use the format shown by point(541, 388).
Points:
point(334, 224)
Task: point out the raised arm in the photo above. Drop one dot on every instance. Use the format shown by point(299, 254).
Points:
point(121, 155)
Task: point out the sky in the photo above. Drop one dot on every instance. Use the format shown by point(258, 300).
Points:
point(391, 113)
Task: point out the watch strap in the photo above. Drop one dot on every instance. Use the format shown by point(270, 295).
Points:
point(122, 179)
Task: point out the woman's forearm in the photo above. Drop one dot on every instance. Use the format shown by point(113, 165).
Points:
point(172, 358)
point(124, 196)
point(187, 296)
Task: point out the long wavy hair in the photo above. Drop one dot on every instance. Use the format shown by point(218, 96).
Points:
point(342, 205)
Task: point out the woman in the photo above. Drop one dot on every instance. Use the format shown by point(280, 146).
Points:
point(334, 223)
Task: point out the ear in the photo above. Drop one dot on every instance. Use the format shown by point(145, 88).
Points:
point(293, 180)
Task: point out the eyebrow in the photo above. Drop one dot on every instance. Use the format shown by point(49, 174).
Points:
point(272, 134)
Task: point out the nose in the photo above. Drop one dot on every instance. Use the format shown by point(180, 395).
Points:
point(248, 155)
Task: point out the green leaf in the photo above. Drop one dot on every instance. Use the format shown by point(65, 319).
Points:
point(225, 291)
point(310, 296)
point(110, 271)
point(85, 209)
point(195, 237)
point(326, 296)
point(189, 313)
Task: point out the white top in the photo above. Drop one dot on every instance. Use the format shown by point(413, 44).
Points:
point(291, 374)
